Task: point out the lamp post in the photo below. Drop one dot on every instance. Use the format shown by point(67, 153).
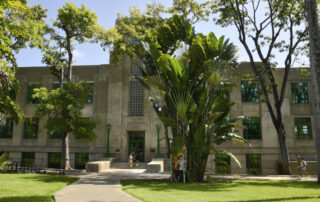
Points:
point(158, 127)
point(108, 143)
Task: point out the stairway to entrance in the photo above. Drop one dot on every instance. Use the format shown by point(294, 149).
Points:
point(125, 165)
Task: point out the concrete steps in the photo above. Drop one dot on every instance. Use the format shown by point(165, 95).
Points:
point(125, 165)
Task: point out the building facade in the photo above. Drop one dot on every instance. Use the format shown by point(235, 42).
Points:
point(117, 99)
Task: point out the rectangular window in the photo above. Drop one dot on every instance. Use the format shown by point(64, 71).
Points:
point(27, 159)
point(225, 93)
point(253, 163)
point(249, 91)
point(302, 128)
point(32, 86)
point(81, 160)
point(54, 160)
point(252, 128)
point(223, 165)
point(31, 126)
point(136, 92)
point(55, 128)
point(55, 86)
point(90, 92)
point(299, 93)
point(6, 130)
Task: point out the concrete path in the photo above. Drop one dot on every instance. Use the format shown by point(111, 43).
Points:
point(104, 186)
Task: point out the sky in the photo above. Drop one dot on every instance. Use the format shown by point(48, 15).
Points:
point(106, 10)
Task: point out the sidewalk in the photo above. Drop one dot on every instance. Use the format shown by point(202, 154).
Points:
point(103, 187)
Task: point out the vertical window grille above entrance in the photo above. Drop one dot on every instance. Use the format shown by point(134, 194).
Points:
point(136, 93)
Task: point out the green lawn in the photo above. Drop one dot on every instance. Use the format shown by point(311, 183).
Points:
point(237, 190)
point(31, 187)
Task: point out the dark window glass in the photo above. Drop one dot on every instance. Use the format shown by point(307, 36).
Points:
point(253, 162)
point(54, 160)
point(223, 92)
point(223, 165)
point(27, 159)
point(299, 93)
point(31, 126)
point(302, 128)
point(32, 86)
point(249, 91)
point(55, 86)
point(90, 92)
point(252, 128)
point(55, 128)
point(81, 160)
point(136, 102)
point(6, 130)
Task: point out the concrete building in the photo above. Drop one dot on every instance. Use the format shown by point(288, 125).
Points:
point(121, 101)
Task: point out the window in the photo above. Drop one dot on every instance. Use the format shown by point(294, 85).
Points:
point(252, 128)
point(81, 160)
point(89, 98)
point(6, 130)
point(223, 165)
point(225, 93)
point(55, 86)
point(27, 159)
point(249, 91)
point(54, 160)
point(302, 128)
point(253, 162)
point(55, 128)
point(31, 126)
point(32, 86)
point(299, 93)
point(136, 93)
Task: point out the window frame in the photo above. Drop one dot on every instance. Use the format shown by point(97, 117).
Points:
point(7, 128)
point(249, 169)
point(26, 160)
point(251, 137)
point(298, 101)
point(309, 125)
point(57, 163)
point(36, 127)
point(257, 100)
point(79, 157)
point(29, 99)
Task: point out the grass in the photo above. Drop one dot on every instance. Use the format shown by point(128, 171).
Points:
point(237, 190)
point(31, 187)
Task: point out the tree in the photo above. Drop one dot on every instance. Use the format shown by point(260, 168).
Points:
point(314, 33)
point(265, 31)
point(73, 24)
point(21, 25)
point(186, 68)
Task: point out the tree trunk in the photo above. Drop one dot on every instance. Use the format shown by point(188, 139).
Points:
point(314, 33)
point(283, 148)
point(65, 160)
point(166, 133)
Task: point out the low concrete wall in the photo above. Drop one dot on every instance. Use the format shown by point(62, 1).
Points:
point(155, 166)
point(98, 166)
point(311, 167)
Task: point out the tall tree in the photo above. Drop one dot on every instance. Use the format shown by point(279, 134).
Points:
point(265, 32)
point(314, 34)
point(20, 25)
point(186, 68)
point(73, 25)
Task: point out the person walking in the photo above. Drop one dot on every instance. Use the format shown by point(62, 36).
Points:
point(301, 166)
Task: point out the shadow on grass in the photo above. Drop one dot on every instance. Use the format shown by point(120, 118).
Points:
point(161, 185)
point(303, 198)
point(26, 199)
point(51, 178)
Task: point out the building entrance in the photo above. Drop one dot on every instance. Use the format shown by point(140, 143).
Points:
point(136, 145)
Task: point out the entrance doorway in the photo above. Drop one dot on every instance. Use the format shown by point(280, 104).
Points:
point(136, 145)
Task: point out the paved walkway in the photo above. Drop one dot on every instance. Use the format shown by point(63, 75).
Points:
point(104, 186)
